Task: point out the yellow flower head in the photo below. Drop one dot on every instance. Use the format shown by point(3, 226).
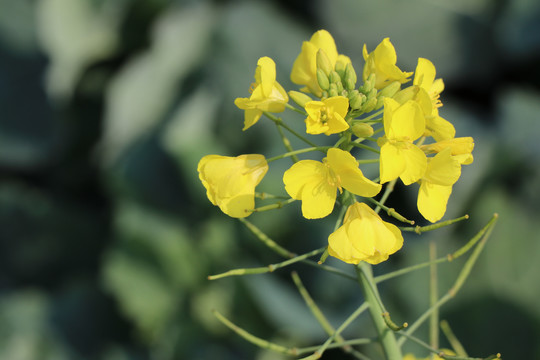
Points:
point(424, 77)
point(304, 70)
point(437, 127)
point(230, 181)
point(461, 148)
point(327, 116)
point(442, 171)
point(266, 94)
point(315, 183)
point(364, 236)
point(400, 157)
point(382, 63)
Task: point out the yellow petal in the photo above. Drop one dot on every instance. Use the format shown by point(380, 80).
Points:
point(424, 74)
point(407, 122)
point(415, 164)
point(307, 180)
point(443, 169)
point(251, 116)
point(340, 247)
point(392, 163)
point(440, 129)
point(432, 200)
point(323, 40)
point(266, 71)
point(344, 165)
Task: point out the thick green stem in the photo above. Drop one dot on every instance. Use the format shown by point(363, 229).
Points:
point(386, 335)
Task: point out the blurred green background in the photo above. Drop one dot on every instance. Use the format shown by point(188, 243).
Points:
point(106, 235)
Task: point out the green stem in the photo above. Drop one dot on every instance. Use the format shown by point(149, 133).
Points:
point(277, 205)
point(387, 191)
point(452, 339)
point(300, 151)
point(386, 335)
point(288, 106)
point(286, 143)
point(422, 229)
point(391, 212)
point(266, 269)
point(279, 122)
point(433, 296)
point(319, 352)
point(365, 147)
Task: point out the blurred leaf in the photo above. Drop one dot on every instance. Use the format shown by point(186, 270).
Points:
point(142, 92)
point(74, 33)
point(518, 111)
point(143, 294)
point(17, 27)
point(24, 329)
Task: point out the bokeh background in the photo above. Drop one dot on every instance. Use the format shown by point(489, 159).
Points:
point(106, 235)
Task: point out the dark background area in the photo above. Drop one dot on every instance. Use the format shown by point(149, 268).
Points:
point(106, 234)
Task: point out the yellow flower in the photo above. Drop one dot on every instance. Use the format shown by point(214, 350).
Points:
point(400, 157)
point(327, 116)
point(304, 70)
point(364, 236)
point(426, 92)
point(230, 181)
point(315, 183)
point(436, 185)
point(461, 148)
point(382, 63)
point(266, 94)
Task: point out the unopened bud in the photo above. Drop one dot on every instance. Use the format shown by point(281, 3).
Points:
point(350, 77)
point(323, 62)
point(370, 104)
point(369, 84)
point(333, 90)
point(339, 87)
point(299, 98)
point(390, 90)
point(341, 65)
point(356, 100)
point(362, 130)
point(334, 77)
point(322, 79)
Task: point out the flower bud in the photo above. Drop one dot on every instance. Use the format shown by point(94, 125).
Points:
point(350, 77)
point(334, 77)
point(340, 67)
point(299, 98)
point(322, 79)
point(323, 62)
point(370, 104)
point(339, 87)
point(333, 90)
point(390, 90)
point(369, 84)
point(356, 100)
point(362, 130)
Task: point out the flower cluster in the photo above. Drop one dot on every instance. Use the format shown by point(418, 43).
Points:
point(400, 125)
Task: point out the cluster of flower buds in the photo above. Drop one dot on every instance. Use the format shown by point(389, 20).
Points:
point(411, 141)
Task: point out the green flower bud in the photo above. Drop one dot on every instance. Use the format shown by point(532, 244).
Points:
point(340, 68)
point(323, 62)
point(362, 130)
point(350, 77)
point(339, 87)
point(356, 99)
point(390, 90)
point(370, 104)
point(334, 77)
point(369, 84)
point(333, 90)
point(299, 98)
point(322, 79)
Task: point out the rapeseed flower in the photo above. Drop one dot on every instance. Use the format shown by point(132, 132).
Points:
point(230, 181)
point(382, 63)
point(400, 157)
point(327, 116)
point(442, 171)
point(304, 70)
point(364, 236)
point(266, 94)
point(315, 183)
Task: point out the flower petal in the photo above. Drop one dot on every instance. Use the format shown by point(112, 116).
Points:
point(432, 200)
point(392, 163)
point(415, 164)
